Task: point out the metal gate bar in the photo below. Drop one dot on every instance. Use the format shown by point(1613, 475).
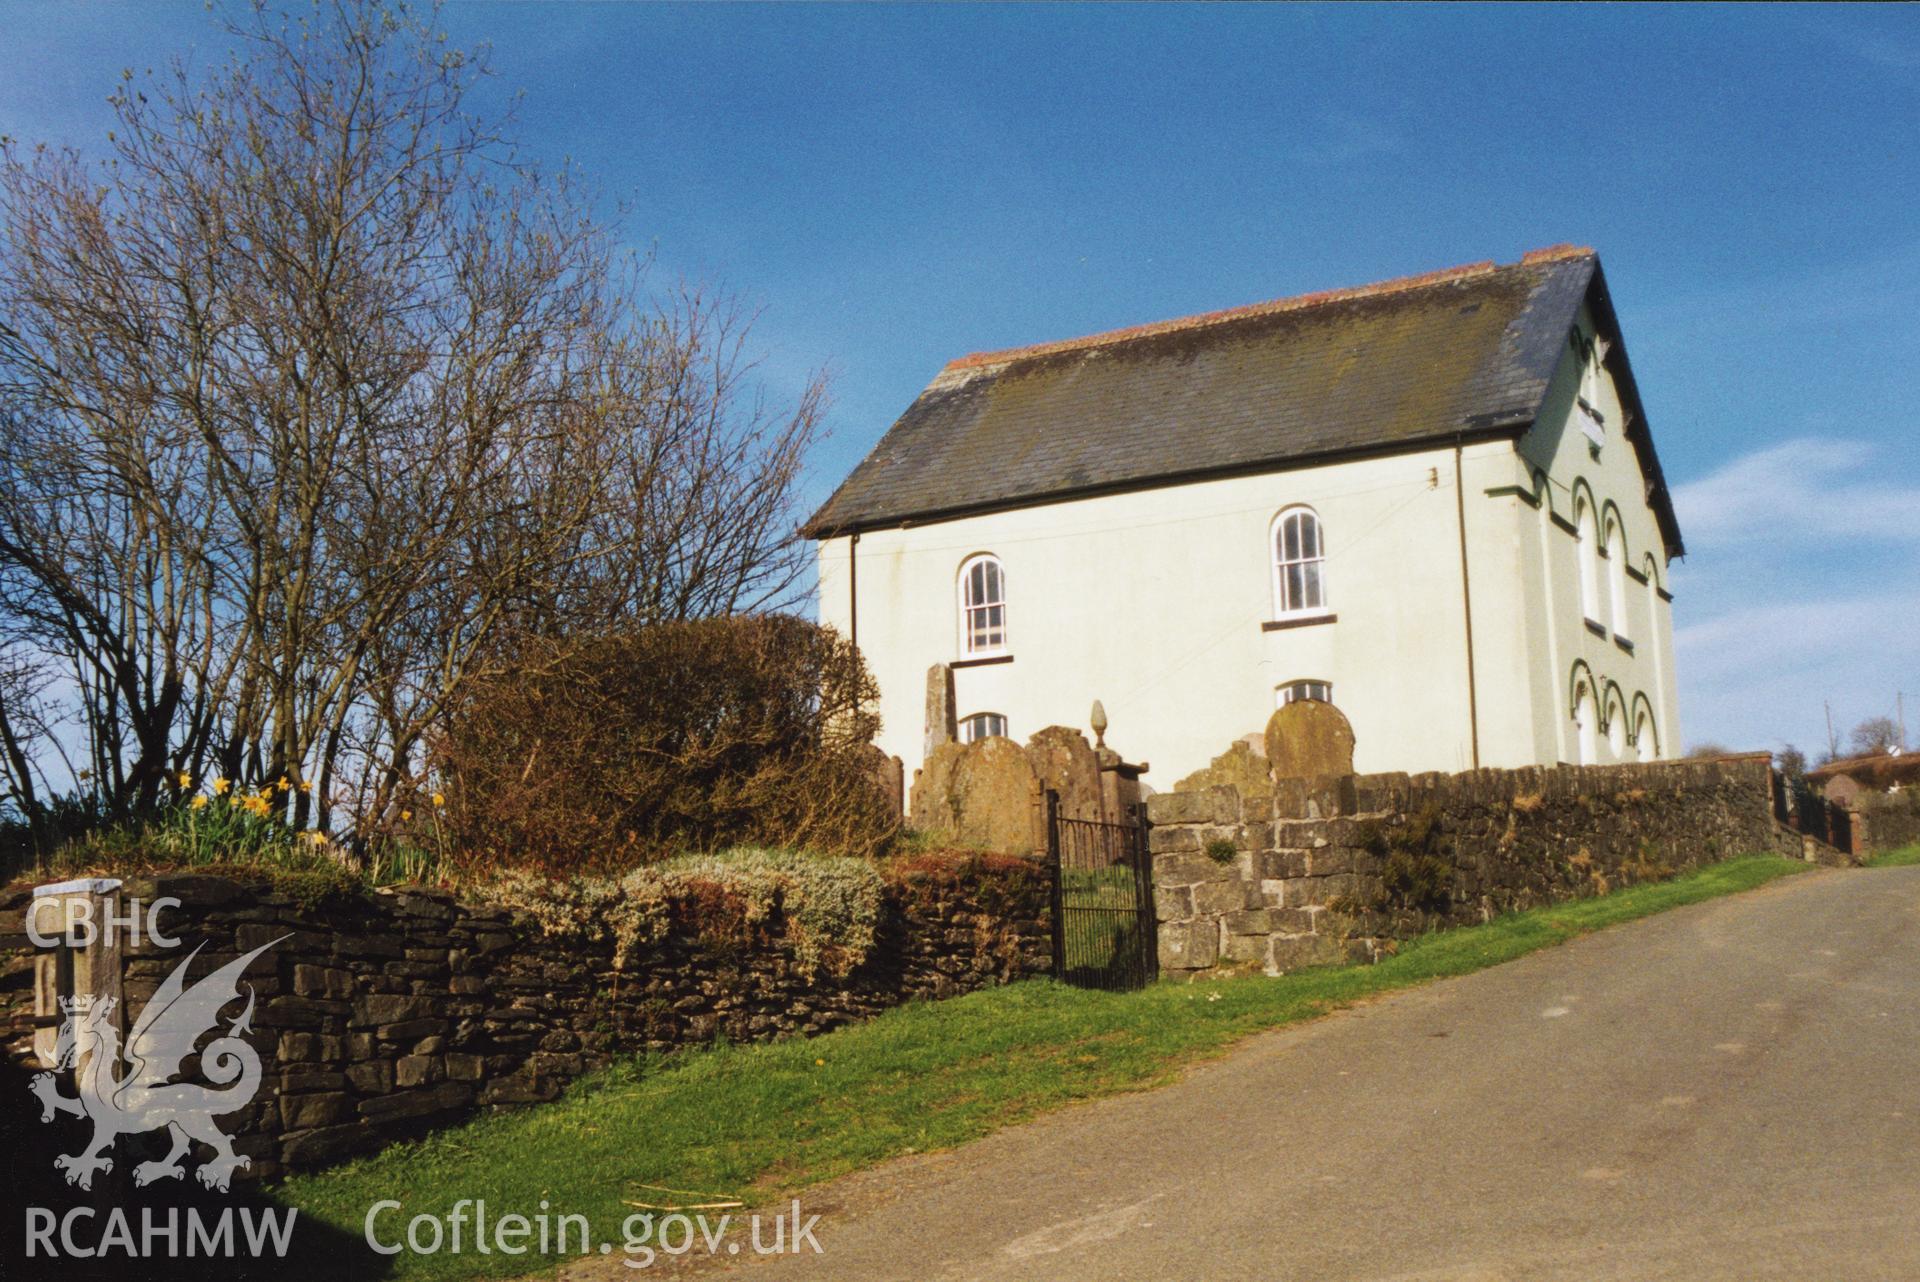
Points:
point(1103, 922)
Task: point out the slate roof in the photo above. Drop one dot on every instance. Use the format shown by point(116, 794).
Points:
point(1465, 352)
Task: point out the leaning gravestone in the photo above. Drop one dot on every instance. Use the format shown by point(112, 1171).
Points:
point(981, 792)
point(1242, 767)
point(1307, 738)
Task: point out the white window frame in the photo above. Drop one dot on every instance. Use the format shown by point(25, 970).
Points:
point(972, 642)
point(1617, 576)
point(1590, 353)
point(1283, 606)
point(1586, 715)
point(1304, 688)
point(1587, 543)
point(973, 723)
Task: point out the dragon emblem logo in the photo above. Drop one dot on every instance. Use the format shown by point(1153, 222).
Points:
point(130, 1091)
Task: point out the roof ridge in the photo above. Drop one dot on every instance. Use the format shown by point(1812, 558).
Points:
point(1298, 302)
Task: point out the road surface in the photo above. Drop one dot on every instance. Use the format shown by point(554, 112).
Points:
point(1723, 1091)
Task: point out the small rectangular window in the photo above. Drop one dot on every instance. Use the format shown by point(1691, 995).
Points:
point(982, 725)
point(1320, 690)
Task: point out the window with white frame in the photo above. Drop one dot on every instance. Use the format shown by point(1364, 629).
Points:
point(1586, 718)
point(1294, 690)
point(1616, 729)
point(983, 606)
point(1645, 740)
point(1617, 576)
point(1590, 353)
point(982, 725)
point(1588, 550)
point(1299, 563)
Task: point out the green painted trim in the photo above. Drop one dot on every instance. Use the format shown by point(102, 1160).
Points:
point(1513, 492)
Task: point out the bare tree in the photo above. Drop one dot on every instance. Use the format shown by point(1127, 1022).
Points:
point(1874, 737)
point(1790, 761)
point(316, 391)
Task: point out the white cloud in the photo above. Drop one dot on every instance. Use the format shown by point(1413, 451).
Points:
point(1764, 674)
point(1804, 490)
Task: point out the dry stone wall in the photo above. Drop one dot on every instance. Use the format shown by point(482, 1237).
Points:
point(1341, 867)
point(1886, 820)
point(383, 1015)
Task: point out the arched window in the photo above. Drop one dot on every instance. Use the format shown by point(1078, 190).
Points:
point(1292, 690)
point(1589, 553)
point(1617, 576)
point(983, 606)
point(982, 725)
point(1645, 741)
point(1299, 563)
point(1616, 726)
point(1586, 720)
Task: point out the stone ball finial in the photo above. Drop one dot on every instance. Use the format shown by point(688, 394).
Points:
point(1098, 720)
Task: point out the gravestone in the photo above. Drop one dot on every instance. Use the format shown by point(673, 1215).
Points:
point(1308, 738)
point(942, 727)
point(1242, 767)
point(982, 793)
point(1067, 763)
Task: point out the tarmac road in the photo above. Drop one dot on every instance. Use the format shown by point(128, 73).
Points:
point(1723, 1091)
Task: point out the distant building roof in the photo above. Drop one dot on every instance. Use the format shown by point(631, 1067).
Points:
point(1878, 771)
point(1424, 360)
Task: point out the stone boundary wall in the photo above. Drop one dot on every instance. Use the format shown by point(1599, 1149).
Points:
point(387, 1014)
point(1884, 821)
point(1341, 867)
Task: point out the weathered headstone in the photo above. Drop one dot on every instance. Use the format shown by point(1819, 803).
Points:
point(1308, 738)
point(887, 771)
point(1241, 767)
point(981, 793)
point(942, 722)
point(1065, 762)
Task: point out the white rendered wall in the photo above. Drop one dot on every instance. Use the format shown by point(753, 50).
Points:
point(1152, 602)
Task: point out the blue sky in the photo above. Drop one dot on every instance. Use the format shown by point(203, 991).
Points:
point(896, 186)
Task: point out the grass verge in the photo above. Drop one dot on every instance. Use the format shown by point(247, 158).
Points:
point(1901, 858)
point(759, 1121)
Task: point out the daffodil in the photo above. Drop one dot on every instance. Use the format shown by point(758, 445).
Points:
point(220, 786)
point(186, 780)
point(283, 785)
point(199, 802)
point(406, 815)
point(306, 785)
point(439, 799)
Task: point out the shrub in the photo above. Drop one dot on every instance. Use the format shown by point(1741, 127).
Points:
point(1415, 874)
point(600, 755)
point(827, 910)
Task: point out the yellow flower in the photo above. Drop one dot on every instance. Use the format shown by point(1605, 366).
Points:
point(186, 780)
point(283, 785)
point(306, 785)
point(439, 799)
point(220, 786)
point(200, 802)
point(406, 815)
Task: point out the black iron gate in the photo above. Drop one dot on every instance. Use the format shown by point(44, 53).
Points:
point(1103, 925)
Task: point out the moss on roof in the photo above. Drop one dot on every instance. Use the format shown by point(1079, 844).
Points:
point(1404, 363)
